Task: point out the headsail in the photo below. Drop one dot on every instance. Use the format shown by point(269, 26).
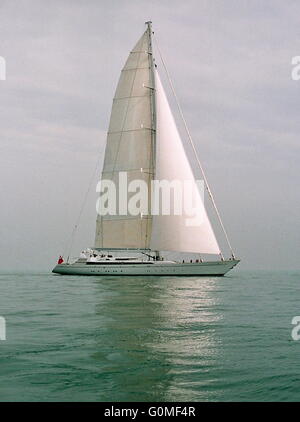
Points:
point(129, 146)
point(170, 233)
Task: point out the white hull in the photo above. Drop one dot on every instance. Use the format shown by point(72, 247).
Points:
point(160, 268)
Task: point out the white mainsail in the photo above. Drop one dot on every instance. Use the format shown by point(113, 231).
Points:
point(130, 146)
point(171, 233)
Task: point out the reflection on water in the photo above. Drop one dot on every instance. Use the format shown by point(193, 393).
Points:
point(75, 338)
point(154, 333)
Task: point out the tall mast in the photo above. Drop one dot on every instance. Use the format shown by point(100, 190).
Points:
point(152, 92)
point(152, 102)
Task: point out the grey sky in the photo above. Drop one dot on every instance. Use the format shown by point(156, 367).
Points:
point(230, 62)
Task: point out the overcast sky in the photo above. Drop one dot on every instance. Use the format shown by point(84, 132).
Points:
point(230, 62)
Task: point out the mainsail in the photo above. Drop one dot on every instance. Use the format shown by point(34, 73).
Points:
point(130, 146)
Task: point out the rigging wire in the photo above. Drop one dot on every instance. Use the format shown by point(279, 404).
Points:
point(194, 149)
point(70, 242)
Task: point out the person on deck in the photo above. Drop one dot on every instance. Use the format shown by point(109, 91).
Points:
point(60, 260)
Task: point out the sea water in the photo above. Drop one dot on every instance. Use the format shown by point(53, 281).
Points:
point(158, 339)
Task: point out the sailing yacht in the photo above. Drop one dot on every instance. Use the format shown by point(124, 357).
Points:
point(143, 142)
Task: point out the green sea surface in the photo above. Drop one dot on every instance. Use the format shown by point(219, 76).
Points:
point(150, 338)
